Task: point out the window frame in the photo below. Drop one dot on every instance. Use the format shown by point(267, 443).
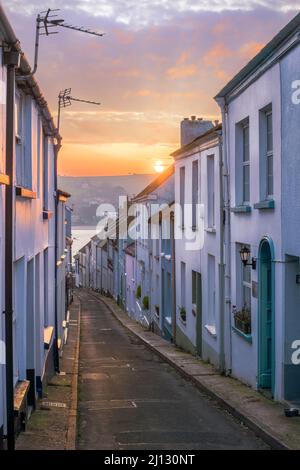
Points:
point(245, 163)
point(269, 155)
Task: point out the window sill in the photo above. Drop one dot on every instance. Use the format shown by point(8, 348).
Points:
point(47, 215)
point(211, 230)
point(263, 205)
point(241, 209)
point(211, 329)
point(246, 337)
point(25, 193)
point(4, 179)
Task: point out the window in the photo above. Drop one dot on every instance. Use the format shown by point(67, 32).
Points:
point(45, 173)
point(182, 266)
point(38, 153)
point(246, 164)
point(211, 191)
point(23, 132)
point(266, 153)
point(211, 291)
point(194, 287)
point(46, 287)
point(20, 144)
point(246, 287)
point(182, 193)
point(195, 193)
point(269, 154)
point(242, 310)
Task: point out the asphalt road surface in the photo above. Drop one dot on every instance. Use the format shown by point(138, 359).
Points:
point(130, 399)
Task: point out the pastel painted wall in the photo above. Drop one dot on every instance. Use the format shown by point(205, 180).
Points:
point(250, 228)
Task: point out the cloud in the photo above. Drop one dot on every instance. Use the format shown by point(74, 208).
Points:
point(166, 63)
point(152, 12)
point(184, 71)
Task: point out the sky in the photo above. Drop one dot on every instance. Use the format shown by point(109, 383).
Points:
point(158, 62)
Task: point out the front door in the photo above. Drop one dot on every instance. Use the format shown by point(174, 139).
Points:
point(199, 314)
point(266, 319)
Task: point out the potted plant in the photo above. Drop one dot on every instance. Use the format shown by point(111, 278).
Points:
point(146, 302)
point(242, 320)
point(138, 292)
point(182, 313)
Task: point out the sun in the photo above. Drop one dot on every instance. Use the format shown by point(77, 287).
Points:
point(159, 167)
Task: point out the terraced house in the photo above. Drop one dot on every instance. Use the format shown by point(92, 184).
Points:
point(261, 121)
point(32, 239)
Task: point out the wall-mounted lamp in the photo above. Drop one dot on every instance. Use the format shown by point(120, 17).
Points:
point(245, 256)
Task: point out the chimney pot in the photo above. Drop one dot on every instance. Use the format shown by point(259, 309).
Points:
point(193, 118)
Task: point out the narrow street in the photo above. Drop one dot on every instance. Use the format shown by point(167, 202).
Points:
point(130, 399)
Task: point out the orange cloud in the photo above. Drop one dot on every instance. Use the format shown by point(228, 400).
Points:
point(182, 71)
point(216, 54)
point(250, 49)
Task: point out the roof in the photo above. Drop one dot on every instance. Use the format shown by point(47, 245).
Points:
point(164, 176)
point(203, 138)
point(262, 56)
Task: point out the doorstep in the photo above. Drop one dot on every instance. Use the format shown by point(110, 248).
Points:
point(263, 416)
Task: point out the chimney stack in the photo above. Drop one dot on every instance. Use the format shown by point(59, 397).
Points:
point(193, 128)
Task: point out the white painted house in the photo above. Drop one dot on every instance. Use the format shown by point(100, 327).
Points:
point(199, 241)
point(261, 117)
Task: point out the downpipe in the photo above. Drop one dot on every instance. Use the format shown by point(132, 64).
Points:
point(12, 61)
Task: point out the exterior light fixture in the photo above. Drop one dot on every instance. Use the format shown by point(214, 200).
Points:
point(245, 256)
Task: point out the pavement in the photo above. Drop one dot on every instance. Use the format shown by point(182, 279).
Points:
point(131, 398)
point(52, 426)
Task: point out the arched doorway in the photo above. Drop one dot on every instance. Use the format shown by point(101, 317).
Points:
point(266, 318)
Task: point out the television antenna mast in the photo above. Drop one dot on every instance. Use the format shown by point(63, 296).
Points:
point(46, 22)
point(65, 100)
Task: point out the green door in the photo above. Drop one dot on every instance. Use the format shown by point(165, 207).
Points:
point(266, 318)
point(198, 313)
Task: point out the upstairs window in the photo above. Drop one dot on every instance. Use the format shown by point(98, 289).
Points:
point(266, 153)
point(195, 193)
point(246, 164)
point(242, 162)
point(211, 191)
point(23, 133)
point(182, 193)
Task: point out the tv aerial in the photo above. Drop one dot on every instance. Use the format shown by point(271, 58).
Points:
point(65, 100)
point(46, 24)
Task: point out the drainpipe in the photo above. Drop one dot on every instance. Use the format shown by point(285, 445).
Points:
point(227, 229)
point(222, 264)
point(11, 60)
point(173, 278)
point(56, 351)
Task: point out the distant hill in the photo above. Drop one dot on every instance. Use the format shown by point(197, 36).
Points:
point(90, 191)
